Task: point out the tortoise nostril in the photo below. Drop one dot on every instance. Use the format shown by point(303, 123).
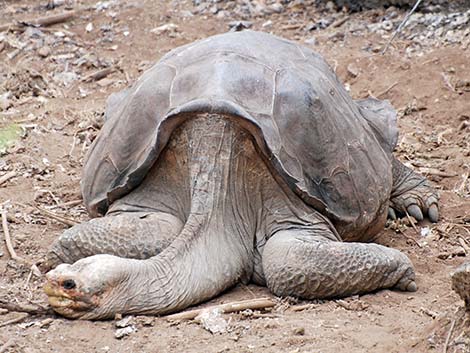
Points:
point(69, 284)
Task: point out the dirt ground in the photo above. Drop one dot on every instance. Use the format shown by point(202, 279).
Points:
point(53, 104)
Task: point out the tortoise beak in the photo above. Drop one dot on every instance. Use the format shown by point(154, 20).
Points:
point(69, 303)
point(57, 297)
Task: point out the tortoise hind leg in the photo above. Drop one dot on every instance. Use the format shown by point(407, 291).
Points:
point(137, 235)
point(412, 193)
point(309, 265)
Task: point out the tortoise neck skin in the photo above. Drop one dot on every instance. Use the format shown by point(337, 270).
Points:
point(209, 152)
point(212, 151)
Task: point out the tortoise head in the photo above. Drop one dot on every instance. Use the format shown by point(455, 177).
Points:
point(86, 289)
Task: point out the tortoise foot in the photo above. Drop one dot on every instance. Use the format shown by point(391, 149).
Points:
point(412, 194)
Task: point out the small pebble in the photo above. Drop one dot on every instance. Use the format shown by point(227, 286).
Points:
point(277, 8)
point(353, 70)
point(46, 322)
point(268, 23)
point(124, 322)
point(44, 51)
point(126, 331)
point(311, 41)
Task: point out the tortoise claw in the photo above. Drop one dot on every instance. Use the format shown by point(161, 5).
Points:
point(411, 287)
point(407, 282)
point(415, 211)
point(392, 214)
point(433, 213)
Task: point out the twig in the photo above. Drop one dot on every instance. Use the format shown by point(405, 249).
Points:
point(437, 172)
point(244, 286)
point(98, 75)
point(402, 24)
point(25, 308)
point(14, 321)
point(434, 60)
point(440, 136)
point(52, 30)
point(11, 250)
point(7, 177)
point(447, 82)
point(428, 312)
point(412, 223)
point(41, 21)
point(50, 20)
point(462, 186)
point(387, 90)
point(67, 221)
point(8, 243)
point(291, 26)
point(449, 335)
point(301, 307)
point(28, 279)
point(339, 22)
point(462, 226)
point(74, 142)
point(343, 304)
point(25, 120)
point(7, 345)
point(8, 26)
point(68, 204)
point(261, 303)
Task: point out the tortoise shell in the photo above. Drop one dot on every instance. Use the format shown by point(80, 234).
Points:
point(332, 151)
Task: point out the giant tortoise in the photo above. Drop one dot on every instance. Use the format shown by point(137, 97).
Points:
point(237, 158)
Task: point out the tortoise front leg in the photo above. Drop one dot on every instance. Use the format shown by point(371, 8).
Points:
point(310, 266)
point(136, 235)
point(412, 193)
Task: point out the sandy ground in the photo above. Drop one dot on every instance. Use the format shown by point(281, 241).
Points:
point(58, 111)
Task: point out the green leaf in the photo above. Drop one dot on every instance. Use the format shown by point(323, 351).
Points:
point(8, 136)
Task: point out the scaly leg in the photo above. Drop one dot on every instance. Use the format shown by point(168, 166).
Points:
point(309, 265)
point(136, 235)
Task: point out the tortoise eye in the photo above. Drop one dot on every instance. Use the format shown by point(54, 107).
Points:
point(69, 284)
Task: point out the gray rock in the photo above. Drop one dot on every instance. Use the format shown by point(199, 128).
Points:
point(461, 283)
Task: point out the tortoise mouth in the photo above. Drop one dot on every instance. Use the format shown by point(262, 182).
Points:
point(70, 304)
